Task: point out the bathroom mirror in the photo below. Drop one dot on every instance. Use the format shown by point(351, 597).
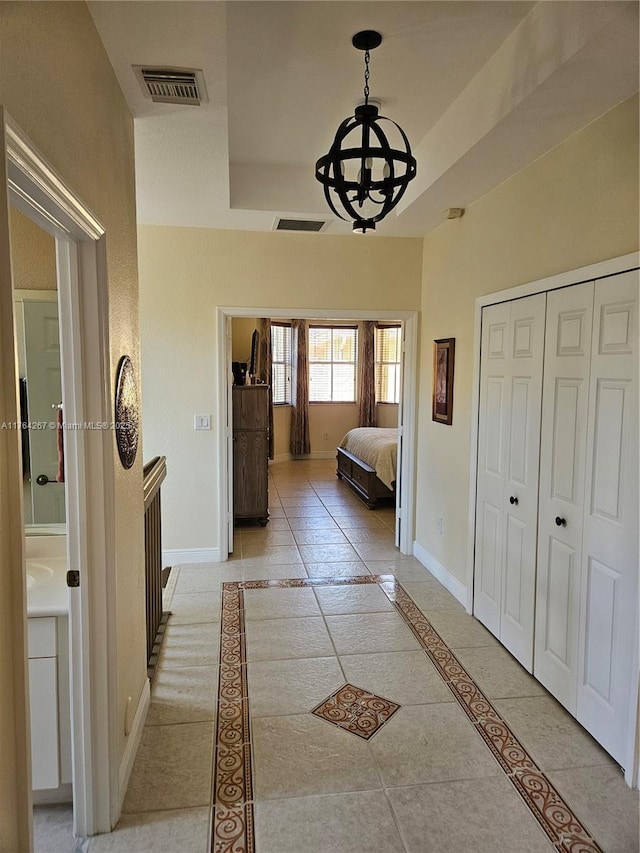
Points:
point(33, 255)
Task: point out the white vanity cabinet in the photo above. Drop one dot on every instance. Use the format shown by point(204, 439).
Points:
point(49, 700)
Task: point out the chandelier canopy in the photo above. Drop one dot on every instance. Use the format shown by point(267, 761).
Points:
point(366, 170)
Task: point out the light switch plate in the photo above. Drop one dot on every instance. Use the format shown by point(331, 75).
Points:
point(202, 421)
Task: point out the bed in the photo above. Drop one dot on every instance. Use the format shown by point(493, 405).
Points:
point(367, 459)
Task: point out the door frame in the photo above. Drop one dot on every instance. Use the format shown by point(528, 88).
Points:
point(405, 503)
point(603, 269)
point(33, 187)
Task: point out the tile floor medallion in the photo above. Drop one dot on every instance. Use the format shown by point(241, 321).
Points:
point(356, 710)
point(233, 817)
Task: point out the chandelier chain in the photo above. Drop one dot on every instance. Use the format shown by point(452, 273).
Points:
point(366, 77)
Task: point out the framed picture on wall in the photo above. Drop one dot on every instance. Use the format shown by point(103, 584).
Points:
point(443, 358)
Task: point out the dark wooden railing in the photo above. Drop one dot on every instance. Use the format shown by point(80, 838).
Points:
point(154, 473)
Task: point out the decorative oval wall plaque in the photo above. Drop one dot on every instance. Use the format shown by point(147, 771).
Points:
point(127, 412)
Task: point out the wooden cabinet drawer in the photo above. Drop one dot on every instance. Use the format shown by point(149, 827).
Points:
point(360, 476)
point(344, 465)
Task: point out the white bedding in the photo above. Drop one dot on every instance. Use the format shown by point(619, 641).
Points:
point(377, 447)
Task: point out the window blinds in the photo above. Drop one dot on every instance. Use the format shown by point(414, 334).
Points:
point(332, 363)
point(281, 363)
point(388, 358)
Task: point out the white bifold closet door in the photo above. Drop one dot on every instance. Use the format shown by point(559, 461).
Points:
point(588, 543)
point(508, 460)
point(565, 406)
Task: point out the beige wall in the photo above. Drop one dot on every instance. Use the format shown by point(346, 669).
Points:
point(387, 415)
point(33, 254)
point(575, 206)
point(58, 85)
point(178, 327)
point(242, 329)
point(328, 422)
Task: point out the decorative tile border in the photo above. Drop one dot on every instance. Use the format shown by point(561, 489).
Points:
point(356, 710)
point(232, 828)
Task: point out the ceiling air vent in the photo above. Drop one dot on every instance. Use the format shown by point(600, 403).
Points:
point(172, 85)
point(300, 225)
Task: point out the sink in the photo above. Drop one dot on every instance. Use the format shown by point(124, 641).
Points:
point(37, 574)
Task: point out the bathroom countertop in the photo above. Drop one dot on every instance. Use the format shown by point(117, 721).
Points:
point(47, 591)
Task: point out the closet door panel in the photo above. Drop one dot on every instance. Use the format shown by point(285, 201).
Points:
point(558, 585)
point(562, 482)
point(495, 392)
point(508, 459)
point(520, 496)
point(609, 564)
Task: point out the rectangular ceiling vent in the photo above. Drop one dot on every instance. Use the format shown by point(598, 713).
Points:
point(172, 85)
point(300, 225)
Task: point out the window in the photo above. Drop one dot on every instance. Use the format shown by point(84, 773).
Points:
point(332, 364)
point(388, 352)
point(280, 363)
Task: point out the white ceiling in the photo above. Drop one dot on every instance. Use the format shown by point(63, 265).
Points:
point(481, 89)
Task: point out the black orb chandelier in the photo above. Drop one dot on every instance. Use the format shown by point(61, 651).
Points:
point(364, 182)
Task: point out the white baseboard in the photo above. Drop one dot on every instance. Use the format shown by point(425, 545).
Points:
point(133, 740)
point(449, 581)
point(177, 557)
point(46, 796)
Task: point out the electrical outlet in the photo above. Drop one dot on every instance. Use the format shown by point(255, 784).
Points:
point(326, 436)
point(440, 524)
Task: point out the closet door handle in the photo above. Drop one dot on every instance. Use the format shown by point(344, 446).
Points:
point(561, 522)
point(513, 500)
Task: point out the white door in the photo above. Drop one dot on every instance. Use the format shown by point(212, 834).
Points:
point(520, 501)
point(492, 454)
point(229, 431)
point(609, 562)
point(400, 383)
point(562, 488)
point(44, 391)
point(506, 511)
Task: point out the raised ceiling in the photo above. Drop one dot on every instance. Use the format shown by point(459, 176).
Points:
point(481, 88)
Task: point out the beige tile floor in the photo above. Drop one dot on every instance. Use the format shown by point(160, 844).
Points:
point(424, 782)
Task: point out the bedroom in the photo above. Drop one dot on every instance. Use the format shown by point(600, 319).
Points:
point(333, 411)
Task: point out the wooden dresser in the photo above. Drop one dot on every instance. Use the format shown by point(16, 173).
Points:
point(250, 452)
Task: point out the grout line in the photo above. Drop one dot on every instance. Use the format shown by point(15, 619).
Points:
point(326, 627)
point(210, 720)
point(396, 821)
point(164, 809)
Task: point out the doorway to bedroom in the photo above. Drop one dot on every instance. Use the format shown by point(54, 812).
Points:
point(305, 495)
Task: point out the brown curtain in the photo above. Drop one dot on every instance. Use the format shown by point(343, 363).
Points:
point(368, 376)
point(264, 374)
point(300, 443)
